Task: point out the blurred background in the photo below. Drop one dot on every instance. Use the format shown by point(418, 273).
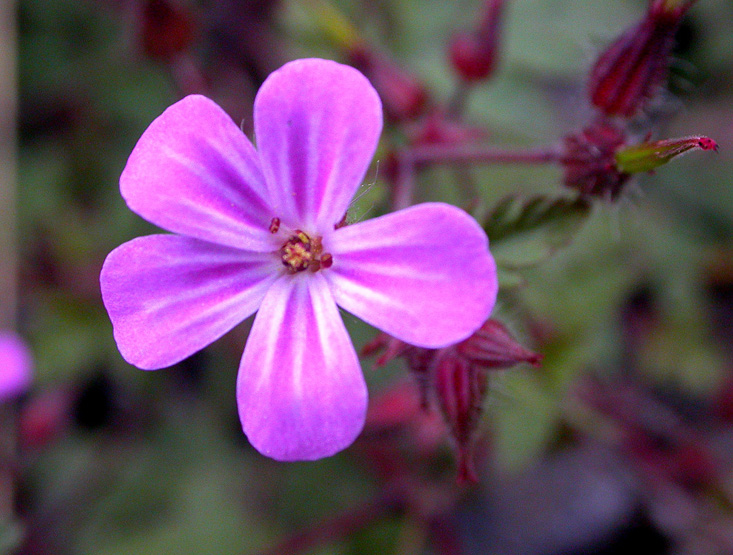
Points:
point(621, 439)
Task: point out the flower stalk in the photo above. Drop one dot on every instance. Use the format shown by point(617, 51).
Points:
point(409, 159)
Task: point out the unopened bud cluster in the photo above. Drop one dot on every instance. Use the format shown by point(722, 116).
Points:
point(599, 159)
point(456, 378)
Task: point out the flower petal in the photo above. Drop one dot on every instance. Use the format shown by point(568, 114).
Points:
point(169, 296)
point(15, 366)
point(317, 124)
point(194, 172)
point(423, 275)
point(300, 390)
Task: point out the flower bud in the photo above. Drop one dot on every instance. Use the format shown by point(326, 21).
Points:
point(648, 156)
point(474, 54)
point(589, 160)
point(493, 347)
point(632, 69)
point(461, 388)
point(167, 29)
point(457, 377)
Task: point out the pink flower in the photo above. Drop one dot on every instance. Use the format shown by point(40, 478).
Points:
point(257, 230)
point(15, 366)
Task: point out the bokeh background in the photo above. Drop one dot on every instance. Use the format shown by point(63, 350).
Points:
point(622, 439)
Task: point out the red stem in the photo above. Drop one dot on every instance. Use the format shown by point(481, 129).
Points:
point(481, 154)
point(408, 159)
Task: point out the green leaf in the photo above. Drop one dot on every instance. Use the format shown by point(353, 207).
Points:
point(525, 232)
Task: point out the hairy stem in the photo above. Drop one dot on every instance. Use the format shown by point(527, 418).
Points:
point(409, 159)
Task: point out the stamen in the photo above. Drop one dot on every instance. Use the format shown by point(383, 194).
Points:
point(274, 225)
point(301, 252)
point(342, 222)
point(326, 260)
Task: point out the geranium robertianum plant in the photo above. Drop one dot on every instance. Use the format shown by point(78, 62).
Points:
point(275, 215)
point(261, 230)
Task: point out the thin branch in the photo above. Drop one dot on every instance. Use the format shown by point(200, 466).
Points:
point(481, 154)
point(410, 158)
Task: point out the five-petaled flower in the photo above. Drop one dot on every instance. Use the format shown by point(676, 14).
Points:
point(259, 230)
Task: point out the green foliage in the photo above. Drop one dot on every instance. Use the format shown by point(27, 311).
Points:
point(524, 416)
point(524, 233)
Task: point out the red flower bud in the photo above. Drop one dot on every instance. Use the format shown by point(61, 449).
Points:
point(492, 346)
point(457, 378)
point(589, 160)
point(632, 69)
point(461, 388)
point(167, 29)
point(474, 54)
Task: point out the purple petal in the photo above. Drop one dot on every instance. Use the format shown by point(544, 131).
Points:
point(169, 296)
point(300, 389)
point(194, 172)
point(317, 124)
point(15, 366)
point(423, 275)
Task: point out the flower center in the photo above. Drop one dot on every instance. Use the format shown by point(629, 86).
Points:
point(301, 252)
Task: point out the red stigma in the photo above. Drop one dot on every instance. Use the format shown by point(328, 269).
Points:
point(706, 143)
point(326, 261)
